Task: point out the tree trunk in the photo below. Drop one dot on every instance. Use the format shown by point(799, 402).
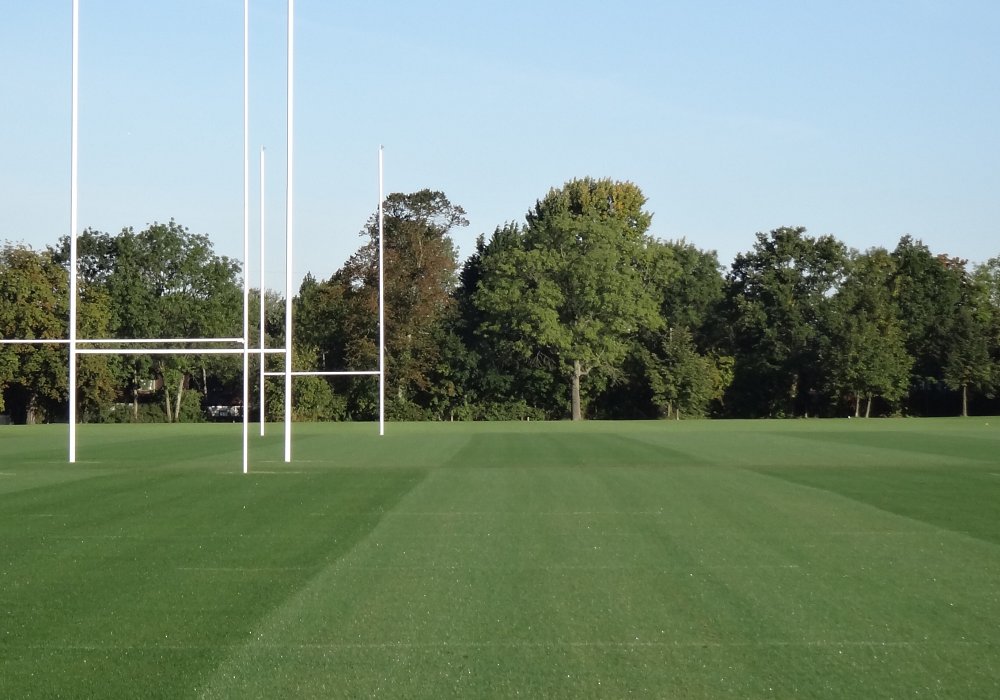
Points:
point(177, 405)
point(167, 404)
point(793, 396)
point(577, 373)
point(868, 408)
point(31, 409)
point(965, 401)
point(135, 396)
point(857, 405)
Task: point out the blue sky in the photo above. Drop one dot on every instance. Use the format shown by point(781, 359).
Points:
point(866, 120)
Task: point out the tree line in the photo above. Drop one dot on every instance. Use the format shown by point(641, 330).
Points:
point(576, 312)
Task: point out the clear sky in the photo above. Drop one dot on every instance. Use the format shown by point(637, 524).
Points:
point(863, 119)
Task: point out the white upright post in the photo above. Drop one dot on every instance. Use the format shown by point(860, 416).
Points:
point(73, 221)
point(289, 208)
point(246, 232)
point(381, 299)
point(262, 355)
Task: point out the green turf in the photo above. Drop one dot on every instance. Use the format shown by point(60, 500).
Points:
point(696, 559)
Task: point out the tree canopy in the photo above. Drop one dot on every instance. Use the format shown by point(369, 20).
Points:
point(578, 310)
point(571, 293)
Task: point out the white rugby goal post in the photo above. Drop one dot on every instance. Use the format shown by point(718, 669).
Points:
point(209, 346)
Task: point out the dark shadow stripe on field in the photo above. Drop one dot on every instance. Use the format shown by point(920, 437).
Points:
point(955, 499)
point(566, 449)
point(952, 446)
point(31, 477)
point(163, 447)
point(155, 558)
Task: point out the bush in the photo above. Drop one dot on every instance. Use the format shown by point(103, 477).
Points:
point(403, 410)
point(191, 410)
point(313, 401)
point(500, 411)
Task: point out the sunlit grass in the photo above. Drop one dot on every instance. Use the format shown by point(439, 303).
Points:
point(701, 559)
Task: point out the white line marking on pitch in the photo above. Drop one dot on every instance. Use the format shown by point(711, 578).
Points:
point(418, 513)
point(248, 569)
point(252, 472)
point(875, 532)
point(282, 471)
point(517, 644)
point(572, 567)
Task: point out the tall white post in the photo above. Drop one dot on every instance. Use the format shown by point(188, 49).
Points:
point(246, 232)
point(262, 356)
point(73, 222)
point(381, 299)
point(289, 208)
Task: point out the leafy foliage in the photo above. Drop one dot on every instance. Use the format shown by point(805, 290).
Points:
point(340, 316)
point(34, 305)
point(163, 282)
point(779, 299)
point(571, 293)
point(865, 352)
point(576, 311)
point(681, 380)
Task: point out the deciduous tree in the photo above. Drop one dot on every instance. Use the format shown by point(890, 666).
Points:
point(34, 304)
point(865, 351)
point(163, 282)
point(969, 362)
point(340, 315)
point(779, 296)
point(572, 293)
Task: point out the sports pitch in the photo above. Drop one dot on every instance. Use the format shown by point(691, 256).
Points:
point(698, 559)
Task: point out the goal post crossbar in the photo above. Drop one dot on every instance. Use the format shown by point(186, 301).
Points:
point(161, 351)
point(108, 341)
point(120, 341)
point(307, 373)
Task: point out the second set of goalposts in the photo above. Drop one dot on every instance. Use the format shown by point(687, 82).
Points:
point(209, 346)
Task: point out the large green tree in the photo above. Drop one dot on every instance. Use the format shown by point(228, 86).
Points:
point(779, 299)
point(498, 383)
point(865, 354)
point(163, 282)
point(571, 293)
point(987, 275)
point(220, 383)
point(340, 315)
point(970, 363)
point(690, 287)
point(681, 380)
point(685, 355)
point(928, 289)
point(34, 304)
point(946, 314)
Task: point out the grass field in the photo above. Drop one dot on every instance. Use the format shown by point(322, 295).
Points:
point(834, 559)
